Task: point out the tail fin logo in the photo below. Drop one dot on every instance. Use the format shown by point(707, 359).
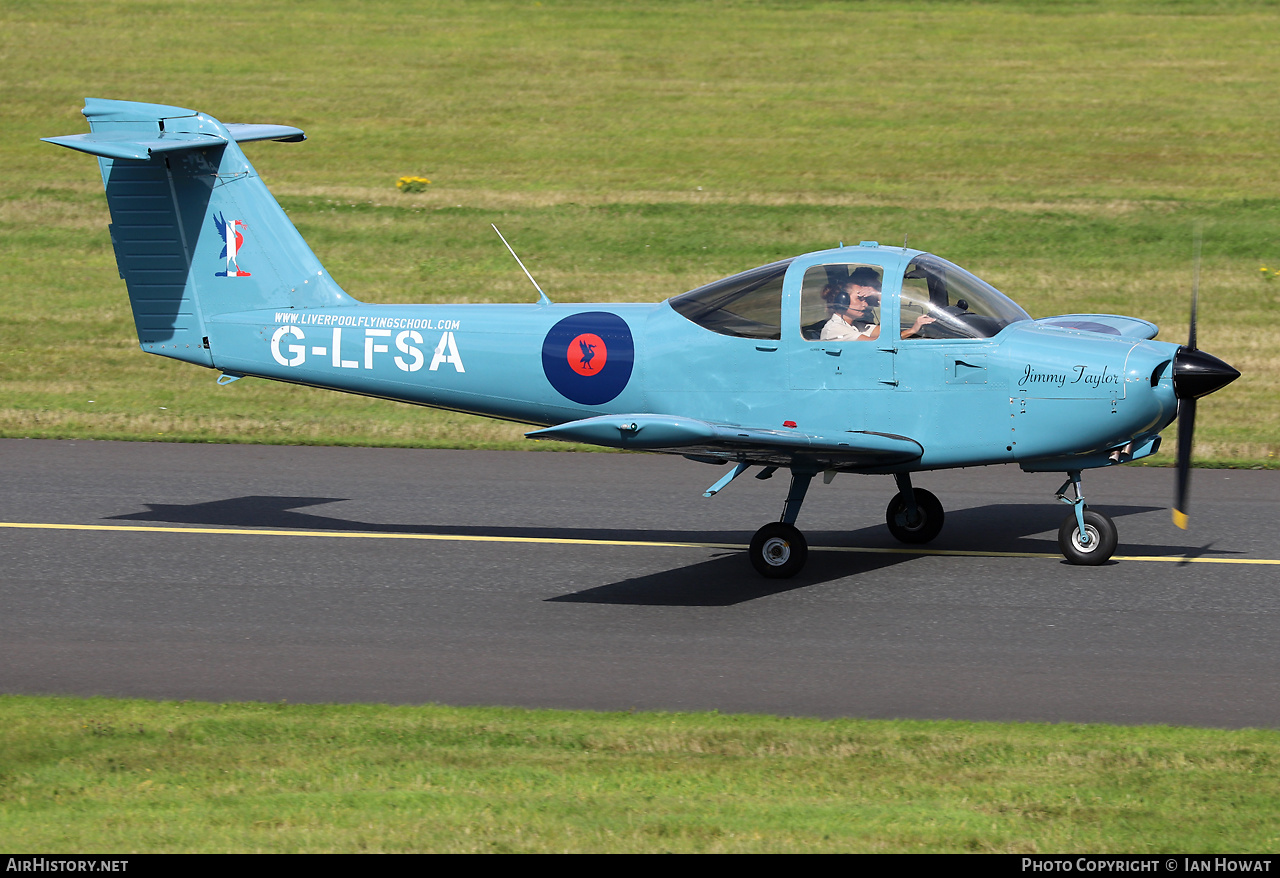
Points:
point(232, 242)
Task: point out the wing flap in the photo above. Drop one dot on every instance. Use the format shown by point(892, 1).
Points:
point(681, 435)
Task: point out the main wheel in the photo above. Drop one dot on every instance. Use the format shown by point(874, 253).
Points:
point(1102, 539)
point(929, 520)
point(778, 551)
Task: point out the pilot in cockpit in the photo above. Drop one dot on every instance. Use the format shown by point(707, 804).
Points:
point(852, 303)
point(851, 318)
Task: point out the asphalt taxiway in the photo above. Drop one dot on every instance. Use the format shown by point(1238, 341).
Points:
point(606, 581)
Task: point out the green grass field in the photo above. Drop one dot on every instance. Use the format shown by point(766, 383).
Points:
point(631, 150)
point(128, 776)
point(1065, 151)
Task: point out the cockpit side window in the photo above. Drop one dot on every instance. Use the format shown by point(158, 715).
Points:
point(841, 302)
point(747, 305)
point(952, 302)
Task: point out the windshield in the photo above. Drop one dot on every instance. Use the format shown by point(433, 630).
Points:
point(961, 305)
point(748, 305)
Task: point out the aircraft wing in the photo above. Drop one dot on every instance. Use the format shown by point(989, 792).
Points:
point(759, 445)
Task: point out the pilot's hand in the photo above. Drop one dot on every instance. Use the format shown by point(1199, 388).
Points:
point(921, 321)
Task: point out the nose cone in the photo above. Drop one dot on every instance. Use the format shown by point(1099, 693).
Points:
point(1197, 374)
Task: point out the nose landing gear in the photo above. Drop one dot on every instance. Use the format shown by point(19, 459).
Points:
point(1086, 537)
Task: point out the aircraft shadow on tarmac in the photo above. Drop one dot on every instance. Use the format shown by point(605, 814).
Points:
point(723, 580)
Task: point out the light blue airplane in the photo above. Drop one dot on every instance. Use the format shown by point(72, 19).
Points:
point(867, 359)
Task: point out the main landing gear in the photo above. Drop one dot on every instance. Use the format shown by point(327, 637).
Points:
point(779, 550)
point(914, 516)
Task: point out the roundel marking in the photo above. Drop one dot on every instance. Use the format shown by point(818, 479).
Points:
point(588, 357)
point(587, 354)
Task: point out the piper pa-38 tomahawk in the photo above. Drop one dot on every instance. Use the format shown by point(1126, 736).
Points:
point(865, 359)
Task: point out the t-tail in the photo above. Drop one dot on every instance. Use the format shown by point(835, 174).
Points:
point(196, 232)
point(218, 276)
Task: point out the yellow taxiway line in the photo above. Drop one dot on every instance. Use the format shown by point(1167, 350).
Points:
point(462, 538)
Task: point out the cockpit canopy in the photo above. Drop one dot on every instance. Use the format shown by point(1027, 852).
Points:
point(749, 304)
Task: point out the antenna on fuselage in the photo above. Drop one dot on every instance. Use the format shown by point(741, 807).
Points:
point(542, 297)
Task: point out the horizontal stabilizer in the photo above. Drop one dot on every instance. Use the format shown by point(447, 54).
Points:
point(649, 432)
point(128, 145)
point(243, 132)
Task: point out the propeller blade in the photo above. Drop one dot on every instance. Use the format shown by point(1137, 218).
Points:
point(1195, 292)
point(1186, 429)
point(1188, 390)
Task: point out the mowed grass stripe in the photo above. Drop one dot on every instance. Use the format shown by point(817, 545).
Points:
point(657, 544)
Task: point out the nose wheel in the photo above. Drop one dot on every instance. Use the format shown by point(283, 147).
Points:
point(1097, 544)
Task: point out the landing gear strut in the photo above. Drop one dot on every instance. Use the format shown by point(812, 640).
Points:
point(914, 516)
point(1086, 537)
point(779, 550)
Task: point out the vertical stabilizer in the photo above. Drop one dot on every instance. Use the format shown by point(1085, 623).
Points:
point(195, 231)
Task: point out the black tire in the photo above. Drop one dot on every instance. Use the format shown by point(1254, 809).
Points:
point(923, 531)
point(778, 551)
point(1102, 544)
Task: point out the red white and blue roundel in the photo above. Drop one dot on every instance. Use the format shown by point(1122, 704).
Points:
point(588, 357)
